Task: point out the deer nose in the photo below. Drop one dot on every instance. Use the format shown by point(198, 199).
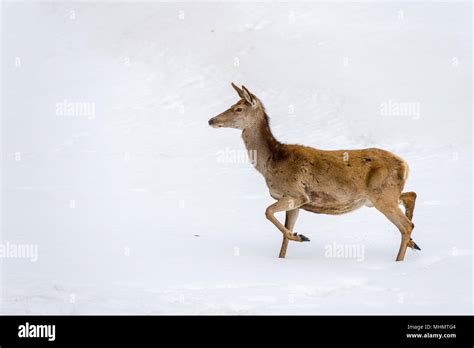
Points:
point(211, 121)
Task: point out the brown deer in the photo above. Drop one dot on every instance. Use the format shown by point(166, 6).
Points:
point(319, 181)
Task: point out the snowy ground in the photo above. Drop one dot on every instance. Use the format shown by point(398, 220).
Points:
point(137, 206)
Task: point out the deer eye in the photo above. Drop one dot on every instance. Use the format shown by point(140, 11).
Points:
point(238, 109)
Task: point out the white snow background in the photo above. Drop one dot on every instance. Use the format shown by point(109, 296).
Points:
point(133, 208)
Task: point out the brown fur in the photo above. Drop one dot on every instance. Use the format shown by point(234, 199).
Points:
point(319, 181)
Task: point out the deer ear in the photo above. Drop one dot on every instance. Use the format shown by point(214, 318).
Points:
point(238, 90)
point(248, 96)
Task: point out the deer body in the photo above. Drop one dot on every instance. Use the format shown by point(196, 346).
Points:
point(319, 181)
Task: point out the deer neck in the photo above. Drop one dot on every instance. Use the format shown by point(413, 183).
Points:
point(260, 143)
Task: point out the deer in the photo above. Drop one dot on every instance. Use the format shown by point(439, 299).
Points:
point(329, 182)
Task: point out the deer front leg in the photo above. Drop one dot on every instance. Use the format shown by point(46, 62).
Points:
point(286, 204)
point(290, 220)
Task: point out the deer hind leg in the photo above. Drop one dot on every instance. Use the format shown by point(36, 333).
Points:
point(405, 226)
point(408, 200)
point(286, 204)
point(290, 220)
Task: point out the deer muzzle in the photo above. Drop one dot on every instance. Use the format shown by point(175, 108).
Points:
point(217, 121)
point(212, 122)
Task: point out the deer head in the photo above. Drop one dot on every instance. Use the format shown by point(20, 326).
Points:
point(241, 115)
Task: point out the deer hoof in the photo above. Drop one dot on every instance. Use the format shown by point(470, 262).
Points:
point(302, 237)
point(415, 246)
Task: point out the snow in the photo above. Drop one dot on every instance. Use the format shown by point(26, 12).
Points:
point(133, 207)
